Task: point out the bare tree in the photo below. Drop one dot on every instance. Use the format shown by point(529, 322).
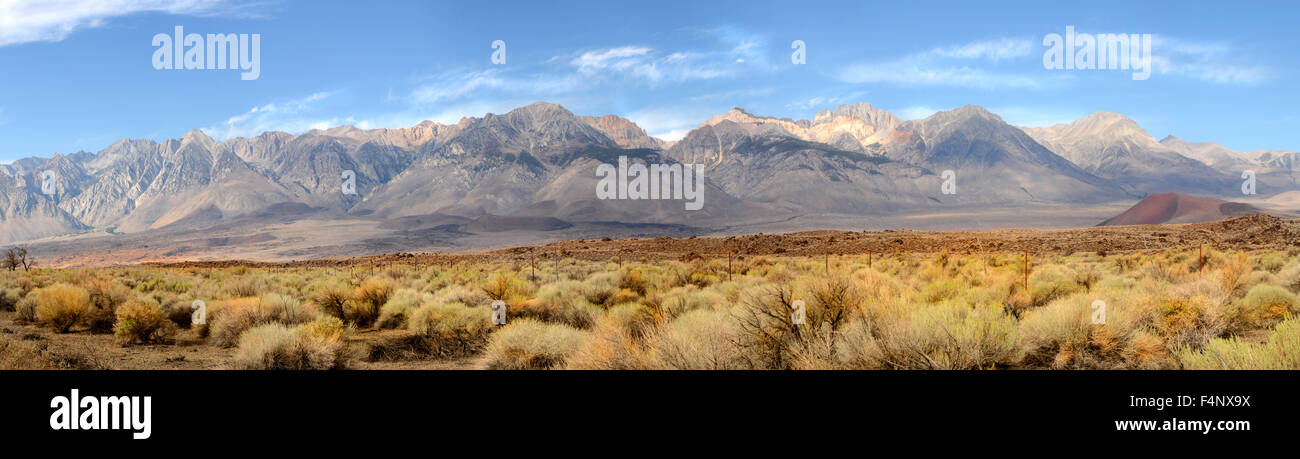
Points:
point(17, 257)
point(28, 262)
point(11, 260)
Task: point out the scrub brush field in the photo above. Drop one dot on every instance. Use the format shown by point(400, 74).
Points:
point(1177, 308)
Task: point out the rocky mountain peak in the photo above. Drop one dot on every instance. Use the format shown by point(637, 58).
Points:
point(881, 120)
point(624, 132)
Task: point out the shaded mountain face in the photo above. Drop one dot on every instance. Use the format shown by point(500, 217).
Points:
point(26, 213)
point(1274, 170)
point(1114, 147)
point(1165, 208)
point(493, 165)
point(136, 185)
point(761, 161)
point(993, 162)
point(1210, 153)
point(537, 161)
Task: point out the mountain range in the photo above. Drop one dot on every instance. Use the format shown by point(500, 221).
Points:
point(533, 168)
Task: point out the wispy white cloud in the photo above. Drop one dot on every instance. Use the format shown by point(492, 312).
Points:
point(820, 102)
point(724, 53)
point(1214, 62)
point(26, 21)
point(734, 96)
point(293, 116)
point(995, 50)
point(653, 67)
point(962, 65)
point(620, 58)
point(911, 73)
point(916, 112)
point(471, 84)
point(728, 52)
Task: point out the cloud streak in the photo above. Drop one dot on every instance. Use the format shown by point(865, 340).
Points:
point(956, 65)
point(1213, 62)
point(27, 21)
point(293, 116)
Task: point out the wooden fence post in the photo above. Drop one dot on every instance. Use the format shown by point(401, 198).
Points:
point(1026, 271)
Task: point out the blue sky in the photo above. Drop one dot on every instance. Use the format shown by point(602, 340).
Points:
point(79, 76)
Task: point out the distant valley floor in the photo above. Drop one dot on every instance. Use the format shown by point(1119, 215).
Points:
point(317, 237)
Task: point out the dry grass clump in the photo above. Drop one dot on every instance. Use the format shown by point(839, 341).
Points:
point(331, 298)
point(318, 345)
point(228, 319)
point(1272, 261)
point(702, 340)
point(16, 354)
point(1062, 335)
point(765, 330)
point(248, 286)
point(1187, 321)
point(463, 295)
point(1280, 352)
point(1263, 306)
point(105, 296)
point(9, 298)
point(770, 338)
point(60, 306)
point(942, 336)
point(164, 283)
point(1050, 282)
point(178, 310)
point(23, 355)
point(367, 300)
point(564, 302)
point(527, 344)
point(25, 309)
point(633, 280)
point(451, 329)
point(499, 287)
point(612, 344)
point(681, 300)
point(1233, 273)
point(600, 288)
point(142, 320)
point(395, 313)
point(1087, 276)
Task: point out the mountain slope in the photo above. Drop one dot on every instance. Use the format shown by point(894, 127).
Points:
point(1112, 146)
point(534, 169)
point(760, 160)
point(494, 165)
point(624, 132)
point(26, 213)
point(993, 161)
